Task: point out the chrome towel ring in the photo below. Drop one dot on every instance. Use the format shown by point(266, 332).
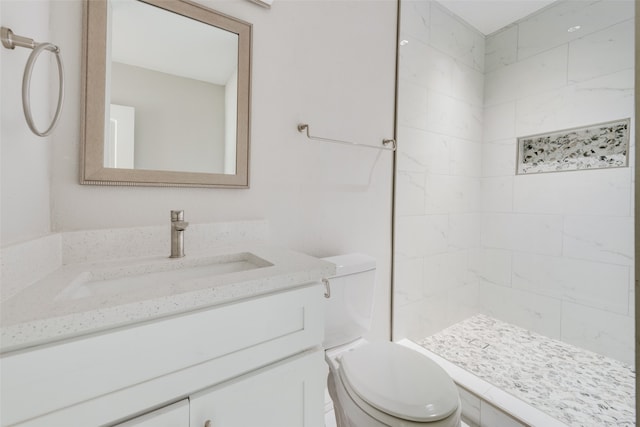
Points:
point(10, 41)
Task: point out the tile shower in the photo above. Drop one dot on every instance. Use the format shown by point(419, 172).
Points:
point(551, 252)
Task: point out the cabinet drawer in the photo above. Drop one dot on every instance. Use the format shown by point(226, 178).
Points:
point(176, 415)
point(106, 368)
point(287, 394)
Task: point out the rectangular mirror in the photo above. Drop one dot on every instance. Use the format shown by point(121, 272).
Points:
point(166, 95)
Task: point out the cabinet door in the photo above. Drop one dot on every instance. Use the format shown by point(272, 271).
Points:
point(287, 394)
point(176, 415)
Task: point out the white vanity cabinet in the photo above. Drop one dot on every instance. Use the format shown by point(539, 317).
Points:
point(280, 395)
point(175, 415)
point(253, 362)
point(285, 395)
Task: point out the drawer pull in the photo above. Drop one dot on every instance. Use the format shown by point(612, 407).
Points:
point(208, 423)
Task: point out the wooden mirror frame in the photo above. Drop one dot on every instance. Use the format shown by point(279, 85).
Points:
point(94, 76)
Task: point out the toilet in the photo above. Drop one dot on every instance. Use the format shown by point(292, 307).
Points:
point(375, 384)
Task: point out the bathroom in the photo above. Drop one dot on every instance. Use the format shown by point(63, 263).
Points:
point(332, 65)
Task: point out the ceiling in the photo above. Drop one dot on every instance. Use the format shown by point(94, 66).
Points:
point(153, 38)
point(488, 16)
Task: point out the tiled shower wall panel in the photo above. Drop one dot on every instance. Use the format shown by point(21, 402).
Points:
point(477, 412)
point(557, 248)
point(439, 170)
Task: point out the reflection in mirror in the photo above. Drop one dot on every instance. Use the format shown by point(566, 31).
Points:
point(174, 102)
point(166, 84)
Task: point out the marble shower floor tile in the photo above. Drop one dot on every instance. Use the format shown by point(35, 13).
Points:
point(575, 386)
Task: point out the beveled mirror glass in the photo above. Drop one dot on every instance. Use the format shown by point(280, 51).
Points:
point(166, 95)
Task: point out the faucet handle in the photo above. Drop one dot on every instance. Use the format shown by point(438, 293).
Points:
point(177, 215)
point(180, 225)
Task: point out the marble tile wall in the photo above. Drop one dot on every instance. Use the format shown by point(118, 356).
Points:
point(439, 173)
point(557, 249)
point(540, 251)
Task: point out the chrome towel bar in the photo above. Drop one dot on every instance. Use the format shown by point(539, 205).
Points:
point(10, 41)
point(302, 127)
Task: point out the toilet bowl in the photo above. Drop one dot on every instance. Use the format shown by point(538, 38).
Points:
point(375, 384)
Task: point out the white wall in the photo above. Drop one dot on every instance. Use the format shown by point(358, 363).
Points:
point(161, 141)
point(312, 62)
point(25, 158)
point(557, 251)
point(438, 171)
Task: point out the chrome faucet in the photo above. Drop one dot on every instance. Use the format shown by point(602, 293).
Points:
point(178, 225)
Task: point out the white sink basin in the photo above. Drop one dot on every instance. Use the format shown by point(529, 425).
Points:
point(165, 272)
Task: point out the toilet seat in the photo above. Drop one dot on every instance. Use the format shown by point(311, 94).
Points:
point(388, 379)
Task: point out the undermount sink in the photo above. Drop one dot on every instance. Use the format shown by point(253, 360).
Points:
point(165, 272)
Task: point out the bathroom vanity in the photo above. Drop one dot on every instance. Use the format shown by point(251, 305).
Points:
point(226, 338)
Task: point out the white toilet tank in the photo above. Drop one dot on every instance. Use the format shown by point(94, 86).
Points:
point(348, 310)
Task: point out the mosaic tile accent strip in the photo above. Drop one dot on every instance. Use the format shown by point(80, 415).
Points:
point(604, 145)
point(575, 386)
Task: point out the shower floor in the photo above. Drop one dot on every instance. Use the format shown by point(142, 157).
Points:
point(575, 386)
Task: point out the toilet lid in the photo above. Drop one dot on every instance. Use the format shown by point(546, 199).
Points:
point(400, 382)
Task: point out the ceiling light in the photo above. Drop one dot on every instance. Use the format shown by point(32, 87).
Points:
point(404, 42)
point(574, 28)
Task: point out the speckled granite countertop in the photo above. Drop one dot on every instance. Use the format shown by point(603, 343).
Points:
point(54, 308)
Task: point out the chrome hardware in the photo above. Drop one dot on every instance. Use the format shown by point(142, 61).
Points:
point(303, 127)
point(10, 41)
point(327, 292)
point(178, 225)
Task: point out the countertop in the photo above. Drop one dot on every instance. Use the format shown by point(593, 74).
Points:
point(43, 313)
